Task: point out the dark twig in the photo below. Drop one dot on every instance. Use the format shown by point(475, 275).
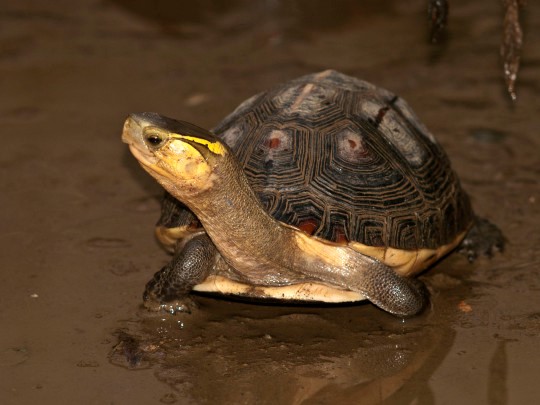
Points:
point(511, 44)
point(438, 15)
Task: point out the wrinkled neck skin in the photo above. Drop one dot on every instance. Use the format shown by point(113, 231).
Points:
point(250, 240)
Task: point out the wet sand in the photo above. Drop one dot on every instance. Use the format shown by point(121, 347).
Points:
point(77, 216)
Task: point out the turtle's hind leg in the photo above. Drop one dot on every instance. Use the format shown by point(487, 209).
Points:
point(484, 238)
point(169, 288)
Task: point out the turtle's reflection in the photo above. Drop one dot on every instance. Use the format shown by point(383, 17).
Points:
point(230, 352)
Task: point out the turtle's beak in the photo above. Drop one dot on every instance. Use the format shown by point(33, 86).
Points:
point(132, 134)
point(132, 129)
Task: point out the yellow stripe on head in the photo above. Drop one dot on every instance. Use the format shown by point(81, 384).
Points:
point(213, 146)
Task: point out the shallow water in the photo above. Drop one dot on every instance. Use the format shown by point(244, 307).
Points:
point(77, 218)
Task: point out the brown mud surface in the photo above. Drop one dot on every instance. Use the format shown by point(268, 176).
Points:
point(76, 236)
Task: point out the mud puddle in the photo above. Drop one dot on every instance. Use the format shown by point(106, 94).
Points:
point(229, 352)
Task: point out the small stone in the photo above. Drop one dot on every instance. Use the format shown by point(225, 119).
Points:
point(196, 99)
point(464, 307)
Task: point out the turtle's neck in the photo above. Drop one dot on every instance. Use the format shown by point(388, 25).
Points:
point(248, 238)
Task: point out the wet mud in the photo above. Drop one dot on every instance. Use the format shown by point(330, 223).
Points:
point(77, 218)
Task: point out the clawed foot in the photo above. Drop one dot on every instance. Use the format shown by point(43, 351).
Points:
point(401, 296)
point(406, 297)
point(484, 239)
point(162, 295)
point(169, 288)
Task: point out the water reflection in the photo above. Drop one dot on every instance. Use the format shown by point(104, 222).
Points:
point(230, 352)
point(498, 370)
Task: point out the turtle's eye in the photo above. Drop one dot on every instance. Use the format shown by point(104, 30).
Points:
point(154, 140)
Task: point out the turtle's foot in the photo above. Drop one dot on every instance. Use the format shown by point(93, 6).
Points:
point(484, 239)
point(401, 296)
point(169, 288)
point(163, 295)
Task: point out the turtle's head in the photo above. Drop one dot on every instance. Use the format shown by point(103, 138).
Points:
point(180, 156)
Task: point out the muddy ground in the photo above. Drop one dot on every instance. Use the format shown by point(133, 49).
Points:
point(77, 216)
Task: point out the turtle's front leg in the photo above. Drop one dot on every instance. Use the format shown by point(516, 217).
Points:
point(401, 296)
point(169, 288)
point(351, 270)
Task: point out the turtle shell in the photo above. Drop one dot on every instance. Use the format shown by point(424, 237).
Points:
point(345, 161)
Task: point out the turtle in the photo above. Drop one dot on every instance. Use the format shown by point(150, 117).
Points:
point(326, 188)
